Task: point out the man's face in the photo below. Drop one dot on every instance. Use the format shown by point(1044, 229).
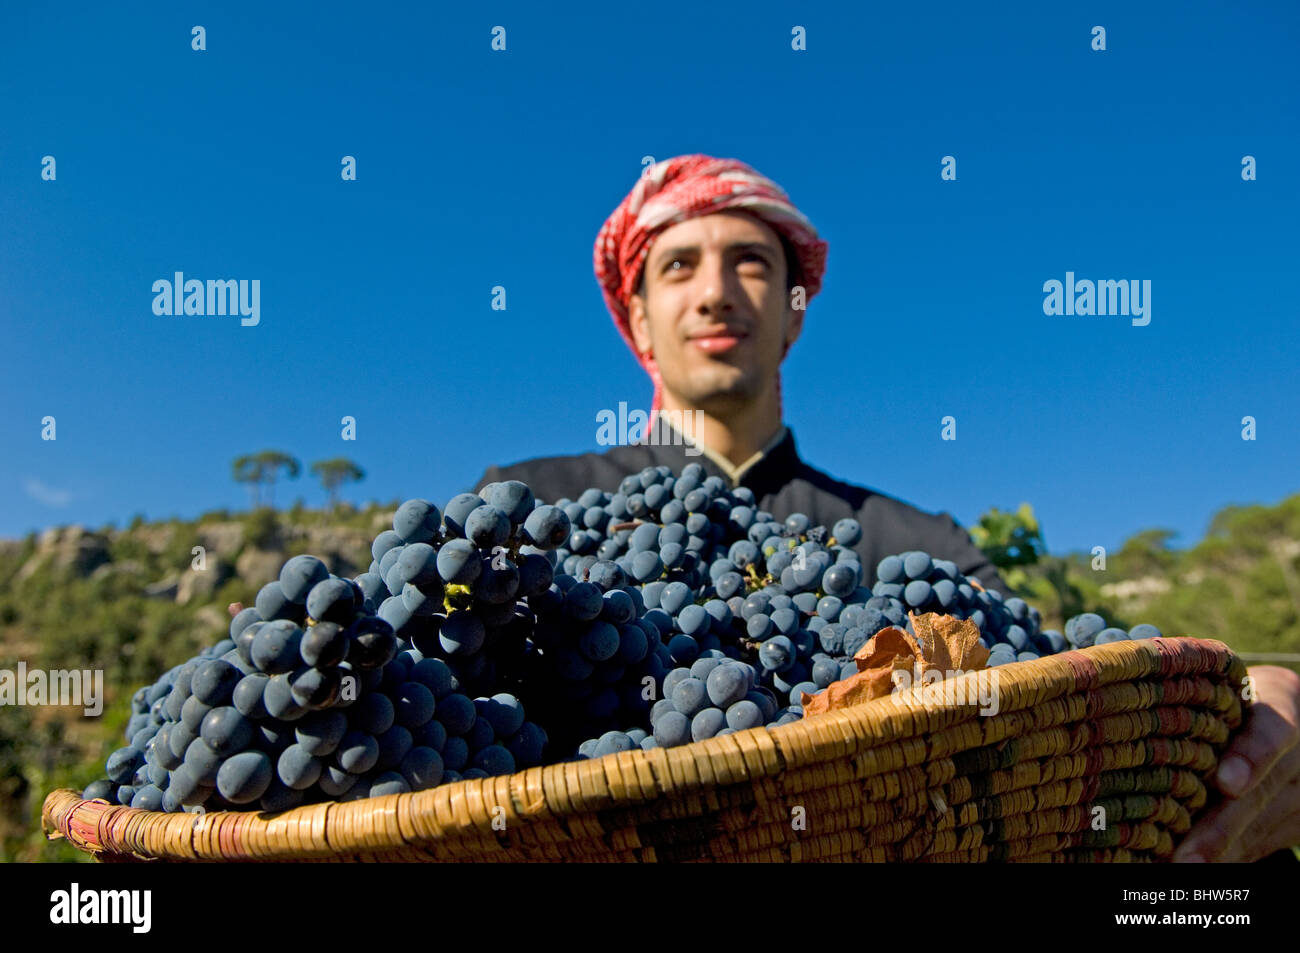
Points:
point(716, 313)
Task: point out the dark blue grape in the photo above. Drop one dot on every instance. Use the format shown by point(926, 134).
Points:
point(434, 674)
point(373, 714)
point(777, 653)
point(147, 798)
point(383, 543)
point(707, 723)
point(275, 648)
point(393, 747)
point(299, 575)
point(214, 682)
point(422, 768)
point(917, 593)
point(457, 714)
point(672, 729)
point(372, 643)
point(743, 715)
point(417, 521)
point(683, 649)
point(242, 621)
point(226, 731)
point(335, 782)
point(314, 688)
point(332, 600)
point(320, 732)
point(847, 532)
point(514, 498)
point(123, 763)
point(690, 696)
point(694, 621)
point(414, 704)
point(727, 684)
point(1082, 630)
point(244, 777)
point(462, 634)
point(455, 753)
point(825, 671)
point(546, 527)
point(271, 603)
point(324, 645)
point(487, 526)
point(297, 768)
point(357, 752)
point(202, 762)
point(279, 701)
point(759, 627)
point(458, 509)
point(891, 570)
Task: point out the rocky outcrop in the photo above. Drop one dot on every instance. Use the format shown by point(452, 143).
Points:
point(75, 552)
point(221, 539)
point(211, 625)
point(67, 550)
point(1131, 589)
point(203, 584)
point(125, 567)
point(156, 538)
point(164, 589)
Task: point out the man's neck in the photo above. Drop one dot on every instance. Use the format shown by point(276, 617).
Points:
point(737, 438)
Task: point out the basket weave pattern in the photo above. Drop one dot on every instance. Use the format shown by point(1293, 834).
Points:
point(1133, 728)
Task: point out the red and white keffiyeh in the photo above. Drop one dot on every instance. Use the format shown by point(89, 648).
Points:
point(683, 188)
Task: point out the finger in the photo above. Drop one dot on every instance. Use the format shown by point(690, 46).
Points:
point(1270, 731)
point(1215, 835)
point(1229, 829)
point(235, 608)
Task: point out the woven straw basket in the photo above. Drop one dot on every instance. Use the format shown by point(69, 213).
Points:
point(1130, 728)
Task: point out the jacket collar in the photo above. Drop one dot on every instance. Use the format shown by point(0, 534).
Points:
point(765, 472)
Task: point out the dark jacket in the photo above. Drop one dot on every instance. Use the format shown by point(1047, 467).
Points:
point(781, 482)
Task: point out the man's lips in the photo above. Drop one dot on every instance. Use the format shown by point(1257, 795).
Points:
point(717, 340)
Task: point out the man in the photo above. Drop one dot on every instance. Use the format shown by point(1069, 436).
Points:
point(700, 265)
point(705, 267)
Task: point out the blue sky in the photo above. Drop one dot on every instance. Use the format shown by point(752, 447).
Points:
point(478, 168)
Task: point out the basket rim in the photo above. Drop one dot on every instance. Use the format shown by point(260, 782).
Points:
point(625, 779)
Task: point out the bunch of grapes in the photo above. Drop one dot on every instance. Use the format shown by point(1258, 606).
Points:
point(335, 688)
point(668, 611)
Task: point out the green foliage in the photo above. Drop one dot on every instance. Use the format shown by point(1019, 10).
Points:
point(334, 473)
point(261, 528)
point(1239, 585)
point(263, 468)
point(1009, 539)
point(1148, 553)
point(179, 551)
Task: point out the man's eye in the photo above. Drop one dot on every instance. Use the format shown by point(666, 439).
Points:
point(681, 261)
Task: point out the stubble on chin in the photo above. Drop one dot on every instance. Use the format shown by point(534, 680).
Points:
point(720, 394)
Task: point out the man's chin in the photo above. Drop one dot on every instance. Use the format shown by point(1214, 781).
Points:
point(721, 399)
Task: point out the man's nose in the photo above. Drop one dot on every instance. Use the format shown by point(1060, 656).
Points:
point(718, 294)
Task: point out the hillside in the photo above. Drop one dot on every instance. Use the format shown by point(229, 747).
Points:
point(129, 602)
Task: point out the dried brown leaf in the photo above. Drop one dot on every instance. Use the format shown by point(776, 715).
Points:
point(941, 641)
